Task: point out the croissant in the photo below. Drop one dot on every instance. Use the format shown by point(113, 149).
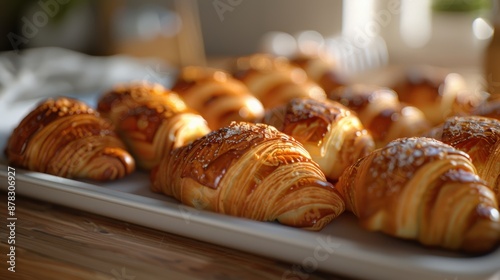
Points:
point(331, 133)
point(422, 189)
point(381, 112)
point(479, 137)
point(217, 96)
point(251, 171)
point(274, 80)
point(322, 70)
point(437, 92)
point(151, 120)
point(66, 138)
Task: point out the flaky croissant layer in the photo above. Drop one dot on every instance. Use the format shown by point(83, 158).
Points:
point(274, 80)
point(65, 137)
point(479, 137)
point(331, 133)
point(437, 92)
point(217, 96)
point(423, 189)
point(322, 69)
point(252, 171)
point(151, 120)
point(381, 112)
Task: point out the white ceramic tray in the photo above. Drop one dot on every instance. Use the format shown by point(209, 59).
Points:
point(341, 248)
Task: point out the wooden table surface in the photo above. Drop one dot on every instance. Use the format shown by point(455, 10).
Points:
point(56, 242)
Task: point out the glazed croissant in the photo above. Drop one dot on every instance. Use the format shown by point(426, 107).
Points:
point(381, 112)
point(66, 138)
point(274, 80)
point(217, 96)
point(322, 70)
point(437, 92)
point(331, 133)
point(151, 120)
point(479, 137)
point(422, 189)
point(251, 171)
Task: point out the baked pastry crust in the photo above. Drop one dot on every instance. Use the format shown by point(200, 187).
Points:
point(424, 190)
point(321, 69)
point(331, 133)
point(381, 112)
point(151, 120)
point(437, 92)
point(274, 80)
point(217, 96)
point(479, 137)
point(251, 171)
point(67, 138)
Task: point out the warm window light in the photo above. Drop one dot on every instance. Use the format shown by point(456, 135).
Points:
point(416, 23)
point(482, 29)
point(279, 43)
point(357, 14)
point(148, 25)
point(309, 42)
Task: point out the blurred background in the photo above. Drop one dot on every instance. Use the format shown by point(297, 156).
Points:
point(441, 32)
point(101, 43)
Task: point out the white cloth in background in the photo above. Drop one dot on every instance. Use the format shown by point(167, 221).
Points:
point(45, 72)
point(32, 75)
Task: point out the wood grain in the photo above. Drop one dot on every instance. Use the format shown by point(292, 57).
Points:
point(55, 242)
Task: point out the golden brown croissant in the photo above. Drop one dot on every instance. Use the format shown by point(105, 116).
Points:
point(381, 112)
point(438, 92)
point(151, 120)
point(217, 96)
point(331, 133)
point(274, 80)
point(422, 189)
point(479, 137)
point(321, 70)
point(66, 138)
point(251, 171)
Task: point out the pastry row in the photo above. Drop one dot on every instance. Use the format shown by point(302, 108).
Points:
point(273, 142)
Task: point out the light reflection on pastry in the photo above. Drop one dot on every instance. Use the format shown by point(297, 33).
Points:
point(67, 138)
point(274, 80)
point(251, 171)
point(422, 189)
point(381, 112)
point(322, 70)
point(217, 96)
point(151, 120)
point(479, 137)
point(437, 92)
point(330, 132)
